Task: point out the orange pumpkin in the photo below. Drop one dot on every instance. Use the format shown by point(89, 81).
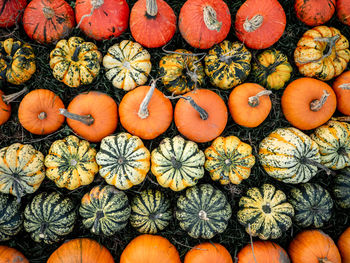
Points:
point(264, 251)
point(11, 255)
point(200, 115)
point(344, 246)
point(308, 103)
point(92, 115)
point(249, 104)
point(313, 246)
point(314, 12)
point(343, 11)
point(260, 24)
point(5, 107)
point(146, 112)
point(149, 249)
point(39, 112)
point(81, 250)
point(208, 252)
point(341, 87)
point(10, 11)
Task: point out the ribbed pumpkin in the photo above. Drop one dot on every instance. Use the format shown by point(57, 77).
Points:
point(5, 107)
point(343, 11)
point(322, 52)
point(289, 155)
point(341, 87)
point(314, 12)
point(177, 163)
point(21, 169)
point(204, 23)
point(71, 163)
point(181, 71)
point(341, 188)
point(272, 69)
point(49, 217)
point(47, 21)
point(75, 62)
point(203, 211)
point(227, 64)
point(344, 245)
point(104, 210)
point(11, 217)
point(150, 211)
point(123, 159)
point(11, 11)
point(17, 61)
point(312, 205)
point(208, 252)
point(229, 160)
point(11, 255)
point(127, 64)
point(333, 140)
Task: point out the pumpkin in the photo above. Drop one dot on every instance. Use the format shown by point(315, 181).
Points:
point(102, 19)
point(229, 160)
point(127, 64)
point(265, 212)
point(177, 163)
point(259, 24)
point(343, 11)
point(150, 211)
point(10, 11)
point(38, 112)
point(314, 12)
point(308, 103)
point(150, 248)
point(289, 155)
point(333, 140)
point(227, 64)
point(81, 250)
point(146, 112)
point(71, 163)
point(322, 52)
point(181, 71)
point(21, 169)
point(343, 245)
point(47, 21)
point(312, 205)
point(272, 69)
point(249, 104)
point(11, 255)
point(313, 246)
point(104, 210)
point(49, 217)
point(208, 252)
point(75, 62)
point(5, 107)
point(341, 188)
point(264, 251)
point(204, 23)
point(203, 211)
point(201, 115)
point(11, 217)
point(17, 61)
point(341, 87)
point(156, 18)
point(92, 115)
point(123, 159)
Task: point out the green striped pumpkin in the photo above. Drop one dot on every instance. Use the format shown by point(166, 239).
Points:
point(150, 212)
point(203, 211)
point(341, 188)
point(312, 205)
point(11, 217)
point(265, 212)
point(49, 217)
point(105, 210)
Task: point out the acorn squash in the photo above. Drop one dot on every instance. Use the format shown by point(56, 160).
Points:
point(11, 217)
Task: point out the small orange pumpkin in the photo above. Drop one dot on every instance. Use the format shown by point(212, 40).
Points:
point(341, 87)
point(11, 255)
point(308, 103)
point(208, 252)
point(92, 115)
point(344, 246)
point(39, 113)
point(343, 11)
point(249, 104)
point(5, 107)
point(200, 115)
point(314, 12)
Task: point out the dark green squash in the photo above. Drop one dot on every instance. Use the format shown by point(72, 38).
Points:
point(341, 188)
point(11, 217)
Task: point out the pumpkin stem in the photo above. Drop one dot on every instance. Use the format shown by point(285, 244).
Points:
point(253, 24)
point(203, 215)
point(254, 101)
point(345, 86)
point(316, 105)
point(151, 8)
point(42, 115)
point(202, 112)
point(210, 19)
point(48, 12)
point(317, 164)
point(98, 216)
point(143, 110)
point(324, 260)
point(96, 4)
point(76, 53)
point(9, 98)
point(42, 230)
point(342, 118)
point(86, 119)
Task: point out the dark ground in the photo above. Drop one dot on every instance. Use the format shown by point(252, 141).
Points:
point(235, 237)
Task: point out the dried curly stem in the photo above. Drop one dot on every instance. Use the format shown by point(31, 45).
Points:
point(316, 105)
point(254, 101)
point(202, 112)
point(210, 19)
point(86, 119)
point(96, 4)
point(250, 25)
point(8, 98)
point(342, 118)
point(345, 86)
point(251, 243)
point(143, 110)
point(151, 8)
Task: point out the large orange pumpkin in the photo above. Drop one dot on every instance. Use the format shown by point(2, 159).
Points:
point(5, 107)
point(308, 103)
point(11, 255)
point(208, 252)
point(343, 11)
point(344, 246)
point(314, 12)
point(260, 24)
point(341, 87)
point(10, 11)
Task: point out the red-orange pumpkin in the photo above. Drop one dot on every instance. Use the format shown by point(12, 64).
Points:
point(208, 252)
point(47, 21)
point(5, 107)
point(260, 24)
point(344, 246)
point(11, 255)
point(204, 23)
point(10, 11)
point(314, 12)
point(341, 87)
point(343, 11)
